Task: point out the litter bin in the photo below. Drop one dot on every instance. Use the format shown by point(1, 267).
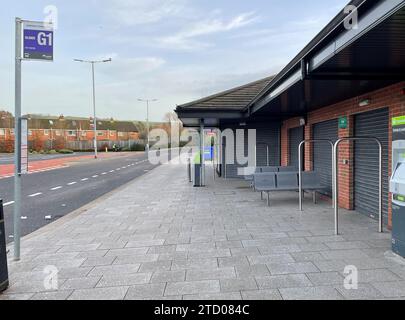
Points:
point(3, 253)
point(197, 175)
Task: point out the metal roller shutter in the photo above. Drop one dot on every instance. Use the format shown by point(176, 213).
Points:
point(270, 136)
point(295, 137)
point(322, 152)
point(374, 124)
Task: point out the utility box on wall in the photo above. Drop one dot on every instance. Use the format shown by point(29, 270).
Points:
point(397, 185)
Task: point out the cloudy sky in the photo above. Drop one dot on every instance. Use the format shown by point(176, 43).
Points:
point(172, 50)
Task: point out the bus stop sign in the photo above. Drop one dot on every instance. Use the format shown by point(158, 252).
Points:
point(37, 41)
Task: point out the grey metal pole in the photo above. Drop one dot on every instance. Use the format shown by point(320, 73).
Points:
point(336, 183)
point(268, 156)
point(300, 174)
point(202, 154)
point(380, 208)
point(147, 124)
point(17, 142)
point(335, 186)
point(94, 112)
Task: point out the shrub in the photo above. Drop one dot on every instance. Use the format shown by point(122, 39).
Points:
point(65, 151)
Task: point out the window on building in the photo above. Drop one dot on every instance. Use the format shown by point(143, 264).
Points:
point(2, 132)
point(100, 133)
point(57, 132)
point(30, 132)
point(71, 133)
point(111, 133)
point(12, 131)
point(83, 133)
point(120, 134)
point(46, 132)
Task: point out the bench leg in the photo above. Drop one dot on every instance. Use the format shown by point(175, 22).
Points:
point(261, 195)
point(314, 197)
point(268, 199)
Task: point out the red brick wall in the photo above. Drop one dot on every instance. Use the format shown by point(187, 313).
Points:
point(390, 97)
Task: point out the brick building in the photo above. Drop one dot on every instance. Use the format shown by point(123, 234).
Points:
point(61, 132)
point(347, 82)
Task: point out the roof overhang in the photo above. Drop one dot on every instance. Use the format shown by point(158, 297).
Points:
point(342, 63)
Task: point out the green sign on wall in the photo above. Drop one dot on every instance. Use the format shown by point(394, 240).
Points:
point(343, 123)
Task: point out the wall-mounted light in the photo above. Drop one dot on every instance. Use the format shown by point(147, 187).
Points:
point(303, 122)
point(403, 91)
point(364, 102)
point(242, 124)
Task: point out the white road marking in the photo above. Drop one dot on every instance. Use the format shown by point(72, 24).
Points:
point(8, 203)
point(111, 170)
point(104, 173)
point(71, 183)
point(35, 194)
point(56, 188)
point(118, 169)
point(95, 176)
point(84, 179)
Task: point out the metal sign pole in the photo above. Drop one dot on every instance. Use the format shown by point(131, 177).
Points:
point(17, 141)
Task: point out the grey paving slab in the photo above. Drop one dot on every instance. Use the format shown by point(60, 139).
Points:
point(311, 293)
point(283, 281)
point(232, 296)
point(210, 274)
point(363, 292)
point(124, 280)
point(391, 289)
point(295, 267)
point(325, 278)
point(114, 293)
point(114, 270)
point(257, 270)
point(238, 284)
point(80, 283)
point(266, 259)
point(192, 287)
point(168, 276)
point(261, 295)
point(56, 295)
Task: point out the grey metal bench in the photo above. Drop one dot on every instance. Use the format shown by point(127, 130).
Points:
point(286, 181)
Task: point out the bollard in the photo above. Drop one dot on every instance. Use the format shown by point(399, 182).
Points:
point(3, 253)
point(189, 170)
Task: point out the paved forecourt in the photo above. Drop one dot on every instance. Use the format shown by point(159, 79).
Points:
point(159, 238)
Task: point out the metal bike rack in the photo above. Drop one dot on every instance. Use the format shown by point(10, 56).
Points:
point(268, 152)
point(300, 165)
point(336, 181)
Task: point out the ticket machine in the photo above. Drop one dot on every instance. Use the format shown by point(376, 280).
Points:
point(397, 186)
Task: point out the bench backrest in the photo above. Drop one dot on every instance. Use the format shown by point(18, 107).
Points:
point(287, 180)
point(265, 180)
point(310, 179)
point(269, 169)
point(288, 169)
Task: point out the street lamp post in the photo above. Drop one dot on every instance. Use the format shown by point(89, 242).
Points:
point(147, 119)
point(93, 62)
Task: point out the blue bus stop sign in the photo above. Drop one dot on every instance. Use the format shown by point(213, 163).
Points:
point(37, 41)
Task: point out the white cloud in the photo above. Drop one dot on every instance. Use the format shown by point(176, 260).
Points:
point(185, 39)
point(132, 13)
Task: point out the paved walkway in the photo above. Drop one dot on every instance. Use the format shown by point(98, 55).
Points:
point(159, 238)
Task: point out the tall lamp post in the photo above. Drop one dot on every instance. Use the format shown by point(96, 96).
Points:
point(93, 62)
point(147, 118)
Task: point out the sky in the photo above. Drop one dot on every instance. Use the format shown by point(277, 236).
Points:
point(175, 51)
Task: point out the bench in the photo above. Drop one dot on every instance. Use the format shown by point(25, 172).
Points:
point(286, 181)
